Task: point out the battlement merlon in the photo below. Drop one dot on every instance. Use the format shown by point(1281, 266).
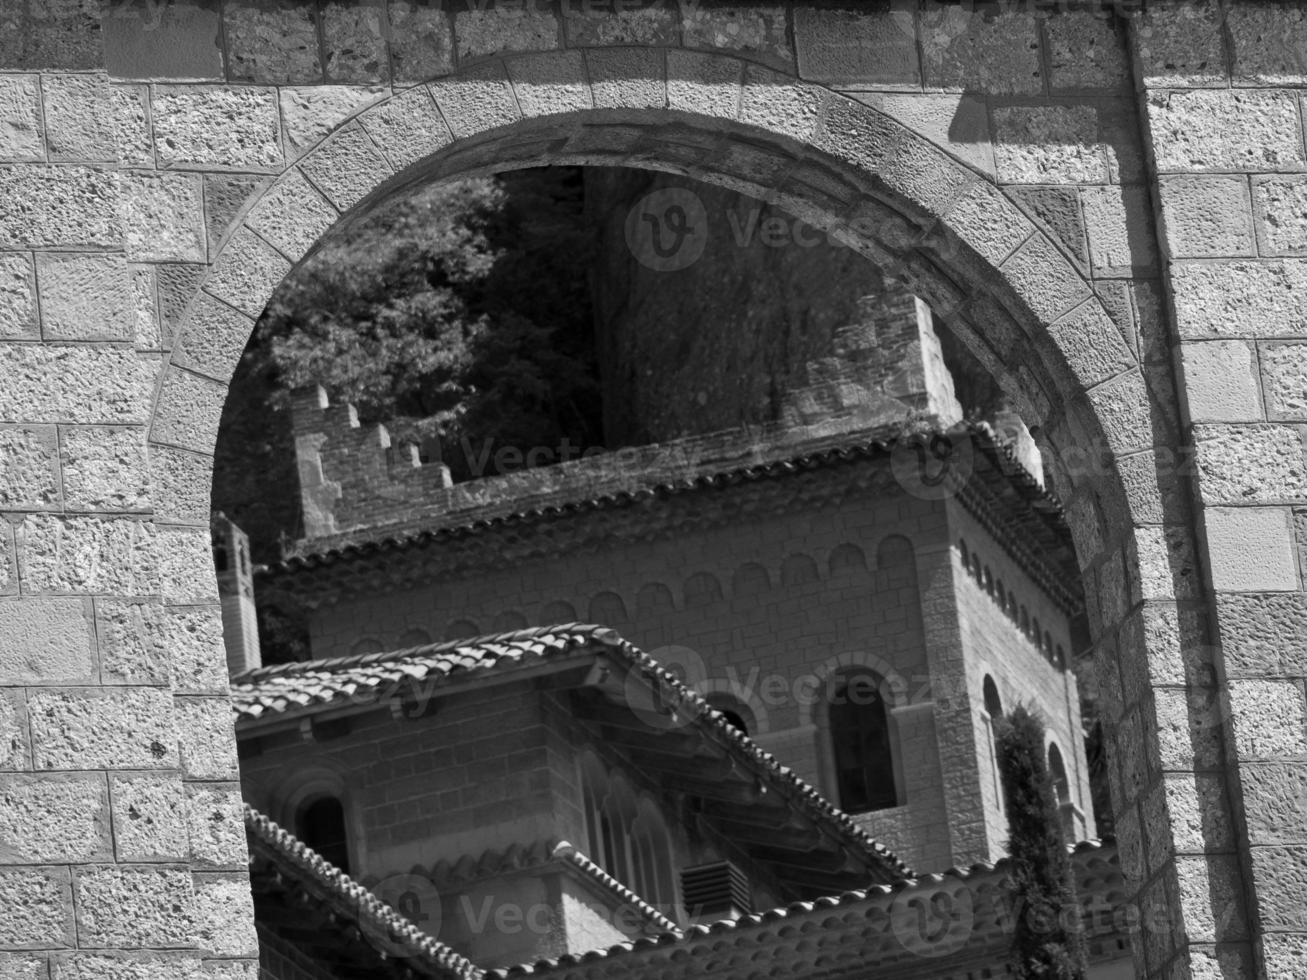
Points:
point(350, 474)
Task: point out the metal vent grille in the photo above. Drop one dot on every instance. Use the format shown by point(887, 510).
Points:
point(715, 888)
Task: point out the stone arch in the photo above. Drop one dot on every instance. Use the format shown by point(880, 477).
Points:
point(946, 229)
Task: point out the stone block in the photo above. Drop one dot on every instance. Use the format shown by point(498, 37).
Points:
point(1221, 381)
point(1181, 46)
point(208, 738)
point(225, 914)
point(1269, 44)
point(17, 304)
point(25, 966)
point(1240, 298)
point(1251, 549)
point(146, 335)
point(347, 167)
point(549, 84)
point(627, 78)
point(123, 906)
point(1269, 719)
point(103, 728)
point(1092, 344)
point(1199, 813)
point(476, 100)
point(47, 641)
point(132, 644)
point(1286, 956)
point(247, 272)
point(15, 742)
point(215, 128)
point(772, 103)
point(231, 970)
point(38, 904)
point(354, 40)
point(182, 483)
point(703, 84)
point(1211, 897)
point(646, 23)
point(308, 114)
point(1281, 211)
point(22, 132)
point(1044, 279)
point(58, 207)
point(29, 468)
point(1250, 464)
point(1049, 144)
point(984, 219)
point(1281, 875)
point(980, 50)
point(758, 31)
point(164, 217)
point(105, 469)
point(1086, 51)
point(855, 47)
point(421, 40)
point(501, 29)
point(84, 297)
point(189, 411)
point(177, 40)
point(857, 134)
point(216, 825)
point(1165, 564)
point(63, 34)
point(1275, 802)
point(149, 818)
point(192, 637)
point(80, 119)
point(1189, 725)
point(186, 566)
point(225, 197)
point(213, 338)
point(1207, 217)
point(407, 127)
point(87, 555)
point(1284, 380)
point(1225, 130)
point(129, 106)
point(272, 42)
point(54, 819)
point(1257, 634)
point(126, 966)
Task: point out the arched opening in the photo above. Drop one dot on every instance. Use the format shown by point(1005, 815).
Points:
point(320, 823)
point(1029, 377)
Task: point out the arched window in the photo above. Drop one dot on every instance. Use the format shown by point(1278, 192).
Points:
point(734, 711)
point(860, 742)
point(845, 559)
point(702, 589)
point(627, 837)
point(993, 712)
point(993, 704)
point(320, 824)
point(607, 609)
point(1057, 771)
point(750, 579)
point(557, 613)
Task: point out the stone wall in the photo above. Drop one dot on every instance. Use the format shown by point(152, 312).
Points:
point(993, 159)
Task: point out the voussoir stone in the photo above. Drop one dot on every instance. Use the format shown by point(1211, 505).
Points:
point(1092, 344)
point(346, 167)
point(547, 84)
point(189, 410)
point(212, 339)
point(704, 84)
point(406, 128)
point(476, 100)
point(627, 78)
point(247, 272)
point(1044, 279)
point(292, 215)
point(181, 484)
point(309, 113)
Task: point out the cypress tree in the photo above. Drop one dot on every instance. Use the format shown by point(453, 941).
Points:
point(1048, 943)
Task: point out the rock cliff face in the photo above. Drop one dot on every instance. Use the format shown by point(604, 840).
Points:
point(720, 342)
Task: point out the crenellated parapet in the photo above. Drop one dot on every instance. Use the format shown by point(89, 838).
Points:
point(352, 474)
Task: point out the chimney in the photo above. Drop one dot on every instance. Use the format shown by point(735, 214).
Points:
point(886, 366)
point(231, 558)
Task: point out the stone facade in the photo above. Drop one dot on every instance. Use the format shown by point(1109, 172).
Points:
point(1103, 204)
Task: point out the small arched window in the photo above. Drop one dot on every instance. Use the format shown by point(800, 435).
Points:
point(320, 824)
point(860, 742)
point(1057, 771)
point(627, 835)
point(993, 704)
point(734, 711)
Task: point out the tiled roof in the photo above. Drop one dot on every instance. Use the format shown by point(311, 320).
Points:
point(1099, 880)
point(291, 861)
point(371, 679)
point(1026, 517)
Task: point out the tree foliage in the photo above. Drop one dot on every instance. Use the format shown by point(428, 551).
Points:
point(1048, 942)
